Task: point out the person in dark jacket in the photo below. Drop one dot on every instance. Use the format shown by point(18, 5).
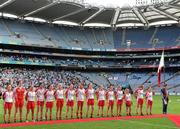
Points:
point(165, 98)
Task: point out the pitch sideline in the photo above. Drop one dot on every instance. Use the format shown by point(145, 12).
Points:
point(173, 118)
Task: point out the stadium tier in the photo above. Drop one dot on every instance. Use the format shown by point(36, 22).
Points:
point(125, 79)
point(43, 34)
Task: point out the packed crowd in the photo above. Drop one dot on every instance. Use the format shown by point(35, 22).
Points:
point(69, 61)
point(35, 76)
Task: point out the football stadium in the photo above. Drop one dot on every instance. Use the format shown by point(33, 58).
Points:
point(90, 64)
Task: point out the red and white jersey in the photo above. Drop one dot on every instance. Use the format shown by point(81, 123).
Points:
point(119, 95)
point(140, 94)
point(49, 96)
point(70, 94)
point(31, 96)
point(80, 94)
point(19, 93)
point(149, 96)
point(8, 96)
point(127, 97)
point(59, 94)
point(110, 95)
point(90, 94)
point(40, 94)
point(101, 95)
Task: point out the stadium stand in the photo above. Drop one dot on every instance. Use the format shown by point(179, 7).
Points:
point(42, 34)
point(132, 79)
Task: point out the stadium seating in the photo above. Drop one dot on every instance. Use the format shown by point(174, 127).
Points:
point(133, 79)
point(43, 34)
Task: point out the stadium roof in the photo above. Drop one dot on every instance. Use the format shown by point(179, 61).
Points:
point(87, 15)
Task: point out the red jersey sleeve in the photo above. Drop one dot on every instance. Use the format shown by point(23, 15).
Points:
point(55, 95)
point(45, 94)
point(36, 89)
point(4, 95)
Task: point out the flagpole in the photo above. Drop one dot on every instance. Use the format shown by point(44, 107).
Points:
point(161, 69)
point(164, 71)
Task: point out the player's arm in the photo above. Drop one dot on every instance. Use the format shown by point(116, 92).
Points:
point(55, 94)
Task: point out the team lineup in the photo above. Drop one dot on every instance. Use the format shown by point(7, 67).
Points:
point(41, 96)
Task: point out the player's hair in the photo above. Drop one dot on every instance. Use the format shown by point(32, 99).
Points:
point(18, 82)
point(89, 84)
point(49, 85)
point(7, 84)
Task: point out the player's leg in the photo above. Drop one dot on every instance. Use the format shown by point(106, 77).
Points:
point(137, 107)
point(92, 110)
point(32, 111)
point(102, 112)
point(5, 111)
point(50, 113)
point(112, 110)
point(99, 108)
point(16, 111)
point(81, 112)
point(87, 111)
point(41, 111)
point(77, 111)
point(67, 111)
point(27, 113)
point(129, 110)
point(120, 109)
point(141, 109)
point(72, 110)
point(37, 112)
point(117, 109)
point(57, 110)
point(9, 113)
point(20, 112)
point(147, 108)
point(46, 115)
point(107, 113)
point(61, 107)
point(150, 107)
point(60, 112)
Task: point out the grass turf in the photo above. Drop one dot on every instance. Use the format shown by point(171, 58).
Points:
point(155, 123)
point(173, 108)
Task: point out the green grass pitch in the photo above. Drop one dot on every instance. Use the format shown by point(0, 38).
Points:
point(155, 123)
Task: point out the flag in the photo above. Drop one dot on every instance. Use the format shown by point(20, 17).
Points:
point(161, 66)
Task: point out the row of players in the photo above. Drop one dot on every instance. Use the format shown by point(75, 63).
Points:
point(48, 96)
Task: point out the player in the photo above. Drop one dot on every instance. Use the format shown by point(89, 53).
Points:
point(80, 93)
point(70, 100)
point(59, 95)
point(40, 101)
point(119, 98)
point(90, 99)
point(140, 99)
point(30, 98)
point(49, 95)
point(128, 102)
point(149, 100)
point(101, 100)
point(19, 94)
point(8, 102)
point(110, 99)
